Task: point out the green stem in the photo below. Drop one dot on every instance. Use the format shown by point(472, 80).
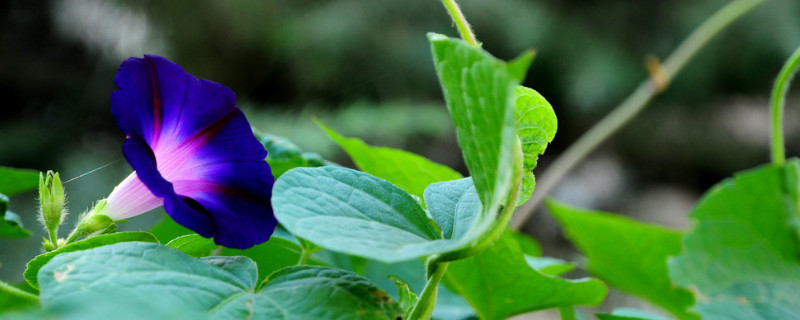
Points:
point(427, 300)
point(305, 254)
point(16, 292)
point(634, 104)
point(460, 21)
point(567, 313)
point(777, 102)
point(53, 236)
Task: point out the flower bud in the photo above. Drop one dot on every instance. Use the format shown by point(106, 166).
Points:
point(94, 223)
point(51, 199)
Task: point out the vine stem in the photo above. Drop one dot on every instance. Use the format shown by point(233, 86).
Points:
point(661, 75)
point(423, 309)
point(777, 101)
point(16, 292)
point(460, 21)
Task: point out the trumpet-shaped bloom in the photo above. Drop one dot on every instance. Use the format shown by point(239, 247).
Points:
point(193, 152)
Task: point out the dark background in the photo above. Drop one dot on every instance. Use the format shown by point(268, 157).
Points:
point(364, 67)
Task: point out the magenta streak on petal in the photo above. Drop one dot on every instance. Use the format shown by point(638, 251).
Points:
point(177, 161)
point(156, 106)
point(130, 198)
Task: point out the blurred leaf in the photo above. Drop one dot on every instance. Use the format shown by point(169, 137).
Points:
point(627, 254)
point(194, 245)
point(740, 259)
point(406, 298)
point(629, 314)
point(527, 244)
point(167, 230)
point(9, 302)
point(479, 90)
point(408, 171)
point(283, 155)
point(14, 181)
point(549, 266)
point(353, 212)
point(33, 267)
point(11, 224)
point(536, 126)
point(499, 283)
point(126, 274)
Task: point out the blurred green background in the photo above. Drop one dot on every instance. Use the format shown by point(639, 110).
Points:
point(364, 67)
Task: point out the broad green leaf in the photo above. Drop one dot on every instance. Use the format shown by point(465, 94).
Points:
point(406, 170)
point(14, 181)
point(240, 267)
point(194, 245)
point(455, 206)
point(536, 126)
point(549, 266)
point(131, 273)
point(479, 91)
point(39, 261)
point(283, 155)
point(741, 258)
point(629, 314)
point(627, 254)
point(352, 212)
point(498, 283)
point(271, 256)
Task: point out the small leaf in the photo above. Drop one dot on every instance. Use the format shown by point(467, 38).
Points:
point(740, 259)
point(283, 155)
point(498, 283)
point(536, 126)
point(407, 298)
point(271, 256)
point(194, 245)
point(14, 181)
point(406, 170)
point(627, 254)
point(352, 212)
point(455, 206)
point(34, 265)
point(11, 226)
point(479, 91)
point(132, 274)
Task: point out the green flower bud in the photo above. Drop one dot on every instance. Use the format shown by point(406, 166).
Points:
point(51, 199)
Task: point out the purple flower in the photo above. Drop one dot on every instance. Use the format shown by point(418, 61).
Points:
point(192, 151)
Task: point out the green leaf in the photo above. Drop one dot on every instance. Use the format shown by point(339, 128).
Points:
point(528, 244)
point(408, 171)
point(194, 245)
point(455, 206)
point(407, 298)
point(128, 274)
point(740, 259)
point(240, 267)
point(479, 91)
point(11, 226)
point(273, 255)
point(549, 266)
point(14, 181)
point(283, 155)
point(498, 283)
point(536, 126)
point(352, 212)
point(12, 302)
point(168, 229)
point(36, 264)
point(629, 314)
point(627, 254)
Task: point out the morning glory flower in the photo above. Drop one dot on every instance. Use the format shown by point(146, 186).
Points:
point(193, 152)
